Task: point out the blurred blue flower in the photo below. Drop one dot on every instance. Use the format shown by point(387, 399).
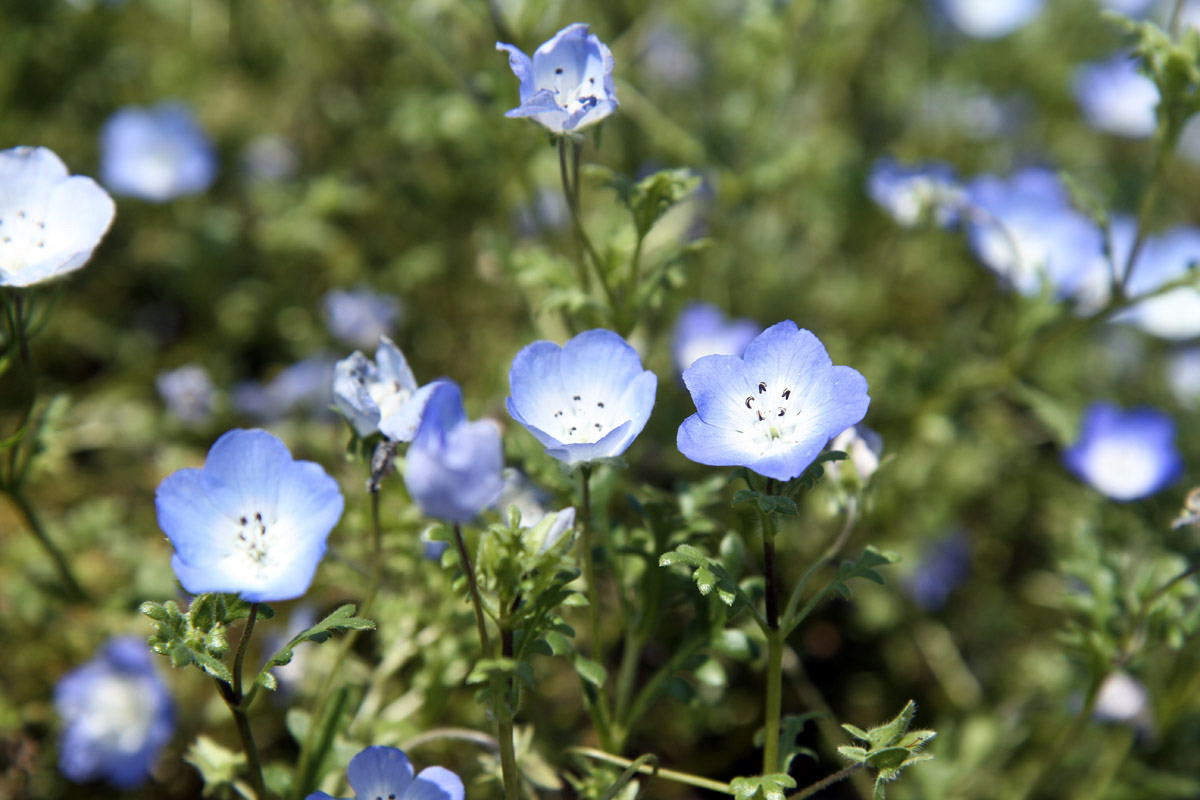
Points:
point(774, 410)
point(569, 82)
point(529, 498)
point(941, 567)
point(1026, 231)
point(1125, 455)
point(1164, 258)
point(252, 521)
point(914, 194)
point(453, 467)
point(50, 221)
point(586, 400)
point(117, 716)
point(380, 395)
point(1130, 8)
point(306, 384)
point(1116, 98)
point(991, 19)
point(156, 154)
point(1183, 376)
point(863, 448)
point(269, 158)
point(703, 330)
point(431, 548)
point(360, 317)
point(188, 392)
point(385, 772)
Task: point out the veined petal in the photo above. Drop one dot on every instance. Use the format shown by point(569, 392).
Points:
point(435, 783)
point(785, 356)
point(719, 386)
point(379, 772)
point(715, 446)
point(613, 443)
point(522, 67)
point(535, 381)
point(596, 363)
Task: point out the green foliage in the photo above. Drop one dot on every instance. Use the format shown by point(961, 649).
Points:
point(340, 619)
point(198, 635)
point(218, 767)
point(890, 747)
point(762, 787)
point(653, 196)
point(709, 574)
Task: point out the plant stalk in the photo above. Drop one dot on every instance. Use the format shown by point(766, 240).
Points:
point(774, 700)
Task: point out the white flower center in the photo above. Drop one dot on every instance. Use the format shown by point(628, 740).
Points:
point(582, 419)
point(117, 713)
point(22, 235)
point(253, 538)
point(582, 96)
point(773, 413)
point(389, 396)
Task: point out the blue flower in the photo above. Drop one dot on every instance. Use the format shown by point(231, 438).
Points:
point(1125, 455)
point(773, 410)
point(50, 221)
point(1116, 98)
point(117, 716)
point(360, 317)
point(569, 82)
point(1183, 376)
point(156, 154)
point(385, 772)
point(1163, 258)
point(991, 19)
point(252, 521)
point(704, 330)
point(453, 468)
point(188, 392)
point(1025, 230)
point(914, 194)
point(862, 446)
point(380, 395)
point(586, 400)
point(305, 384)
point(942, 566)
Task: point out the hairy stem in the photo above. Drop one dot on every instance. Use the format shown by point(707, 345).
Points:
point(669, 774)
point(589, 565)
point(232, 695)
point(825, 783)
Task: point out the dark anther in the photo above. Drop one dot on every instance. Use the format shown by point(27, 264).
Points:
point(599, 405)
point(258, 518)
point(599, 427)
point(573, 429)
point(558, 70)
point(577, 398)
point(760, 416)
point(243, 520)
point(787, 393)
point(762, 386)
point(782, 412)
point(557, 414)
point(749, 401)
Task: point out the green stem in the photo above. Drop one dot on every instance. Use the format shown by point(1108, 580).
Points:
point(589, 565)
point(650, 688)
point(774, 651)
point(791, 616)
point(1068, 737)
point(240, 658)
point(571, 190)
point(669, 774)
point(626, 675)
point(39, 532)
point(232, 695)
point(464, 562)
point(825, 783)
point(504, 723)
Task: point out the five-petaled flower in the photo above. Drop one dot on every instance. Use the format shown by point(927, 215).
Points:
point(156, 154)
point(454, 467)
point(380, 395)
point(385, 773)
point(252, 521)
point(772, 410)
point(568, 84)
point(50, 221)
point(586, 400)
point(1125, 455)
point(117, 716)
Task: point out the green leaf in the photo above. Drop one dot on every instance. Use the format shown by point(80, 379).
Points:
point(887, 758)
point(341, 619)
point(772, 786)
point(591, 671)
point(218, 766)
point(890, 733)
point(709, 573)
point(855, 754)
point(856, 732)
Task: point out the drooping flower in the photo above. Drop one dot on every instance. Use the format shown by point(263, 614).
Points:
point(117, 716)
point(385, 772)
point(585, 400)
point(568, 84)
point(251, 521)
point(453, 468)
point(50, 221)
point(991, 19)
point(1116, 98)
point(188, 392)
point(380, 395)
point(703, 329)
point(1025, 230)
point(360, 317)
point(774, 409)
point(156, 154)
point(1125, 455)
point(913, 194)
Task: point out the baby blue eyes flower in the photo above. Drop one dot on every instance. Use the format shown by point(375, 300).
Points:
point(1116, 98)
point(50, 221)
point(385, 773)
point(774, 409)
point(704, 330)
point(360, 317)
point(156, 154)
point(1164, 258)
point(913, 194)
point(252, 521)
point(991, 19)
point(117, 716)
point(380, 395)
point(1125, 455)
point(568, 84)
point(586, 400)
point(188, 392)
point(453, 467)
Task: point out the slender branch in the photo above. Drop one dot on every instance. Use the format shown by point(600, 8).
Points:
point(774, 699)
point(1176, 17)
point(1133, 638)
point(571, 190)
point(825, 783)
point(581, 270)
point(457, 734)
point(240, 658)
point(464, 562)
point(646, 769)
point(589, 565)
point(1145, 209)
point(39, 532)
point(504, 723)
point(790, 616)
point(232, 695)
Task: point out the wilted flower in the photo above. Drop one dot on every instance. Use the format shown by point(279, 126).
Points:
point(703, 330)
point(1126, 455)
point(453, 466)
point(585, 400)
point(156, 154)
point(569, 82)
point(991, 19)
point(50, 221)
point(251, 521)
point(117, 716)
point(1116, 98)
point(1025, 230)
point(360, 317)
point(188, 392)
point(381, 394)
point(385, 772)
point(773, 410)
point(913, 194)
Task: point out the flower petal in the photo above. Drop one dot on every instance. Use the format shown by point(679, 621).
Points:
point(380, 772)
point(785, 356)
point(435, 783)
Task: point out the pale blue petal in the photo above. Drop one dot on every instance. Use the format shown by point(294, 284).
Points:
point(402, 424)
point(720, 388)
point(379, 772)
point(785, 357)
point(522, 67)
point(393, 366)
point(435, 783)
point(536, 383)
point(546, 439)
point(613, 443)
point(350, 393)
point(717, 447)
point(597, 365)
